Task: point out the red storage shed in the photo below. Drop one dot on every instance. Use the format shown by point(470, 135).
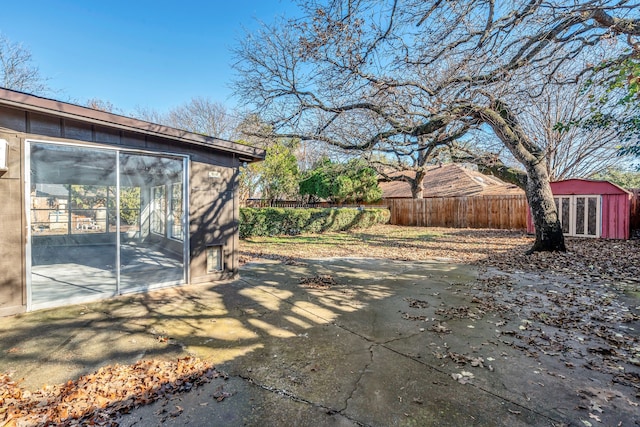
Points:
point(590, 208)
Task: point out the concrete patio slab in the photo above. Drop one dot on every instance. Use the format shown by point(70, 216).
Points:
point(335, 342)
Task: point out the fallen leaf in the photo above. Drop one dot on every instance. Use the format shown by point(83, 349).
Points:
point(176, 412)
point(594, 417)
point(219, 394)
point(440, 328)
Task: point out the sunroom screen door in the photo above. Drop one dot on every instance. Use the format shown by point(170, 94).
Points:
point(102, 222)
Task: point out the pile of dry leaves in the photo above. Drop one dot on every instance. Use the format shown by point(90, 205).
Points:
point(97, 398)
point(615, 261)
point(320, 281)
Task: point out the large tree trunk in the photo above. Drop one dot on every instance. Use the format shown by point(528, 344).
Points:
point(417, 185)
point(549, 235)
point(505, 125)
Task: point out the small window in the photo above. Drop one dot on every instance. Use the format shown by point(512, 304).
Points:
point(214, 259)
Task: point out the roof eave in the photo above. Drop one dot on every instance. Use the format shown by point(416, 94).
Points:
point(75, 112)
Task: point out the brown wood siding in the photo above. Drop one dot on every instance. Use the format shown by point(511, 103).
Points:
point(500, 212)
point(42, 126)
point(12, 291)
point(212, 220)
point(77, 130)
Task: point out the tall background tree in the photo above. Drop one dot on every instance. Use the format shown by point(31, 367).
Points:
point(350, 182)
point(571, 151)
point(369, 75)
point(17, 70)
point(278, 174)
point(198, 115)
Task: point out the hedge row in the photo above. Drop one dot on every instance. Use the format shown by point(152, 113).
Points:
point(289, 221)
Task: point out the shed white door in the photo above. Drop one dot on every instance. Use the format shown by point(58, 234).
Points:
point(580, 215)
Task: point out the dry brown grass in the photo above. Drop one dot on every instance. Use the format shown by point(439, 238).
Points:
point(504, 249)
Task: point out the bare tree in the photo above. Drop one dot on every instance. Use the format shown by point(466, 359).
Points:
point(571, 151)
point(101, 105)
point(199, 115)
point(408, 162)
point(205, 116)
point(371, 75)
point(149, 114)
point(17, 71)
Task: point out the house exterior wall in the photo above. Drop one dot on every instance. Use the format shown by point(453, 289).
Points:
point(213, 220)
point(12, 229)
point(213, 207)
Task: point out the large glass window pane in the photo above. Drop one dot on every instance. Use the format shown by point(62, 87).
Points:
point(73, 258)
point(565, 213)
point(158, 209)
point(148, 253)
point(130, 210)
point(112, 213)
point(81, 197)
point(592, 218)
point(580, 211)
point(88, 207)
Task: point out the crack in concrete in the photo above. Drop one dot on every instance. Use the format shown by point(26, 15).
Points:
point(356, 385)
point(295, 398)
point(383, 345)
point(405, 337)
point(478, 387)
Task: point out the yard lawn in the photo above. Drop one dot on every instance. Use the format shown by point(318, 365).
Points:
point(391, 242)
point(609, 260)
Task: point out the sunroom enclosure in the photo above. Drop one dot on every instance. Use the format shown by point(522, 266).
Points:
point(102, 222)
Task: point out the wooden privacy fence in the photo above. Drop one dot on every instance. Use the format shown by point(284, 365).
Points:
point(503, 212)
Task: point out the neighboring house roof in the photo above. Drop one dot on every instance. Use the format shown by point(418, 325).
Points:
point(65, 110)
point(450, 180)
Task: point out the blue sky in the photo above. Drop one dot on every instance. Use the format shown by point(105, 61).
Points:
point(153, 54)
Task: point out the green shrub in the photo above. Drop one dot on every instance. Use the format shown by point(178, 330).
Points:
point(289, 221)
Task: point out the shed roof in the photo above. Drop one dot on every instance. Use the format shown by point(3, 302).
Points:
point(585, 186)
point(66, 110)
point(451, 180)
